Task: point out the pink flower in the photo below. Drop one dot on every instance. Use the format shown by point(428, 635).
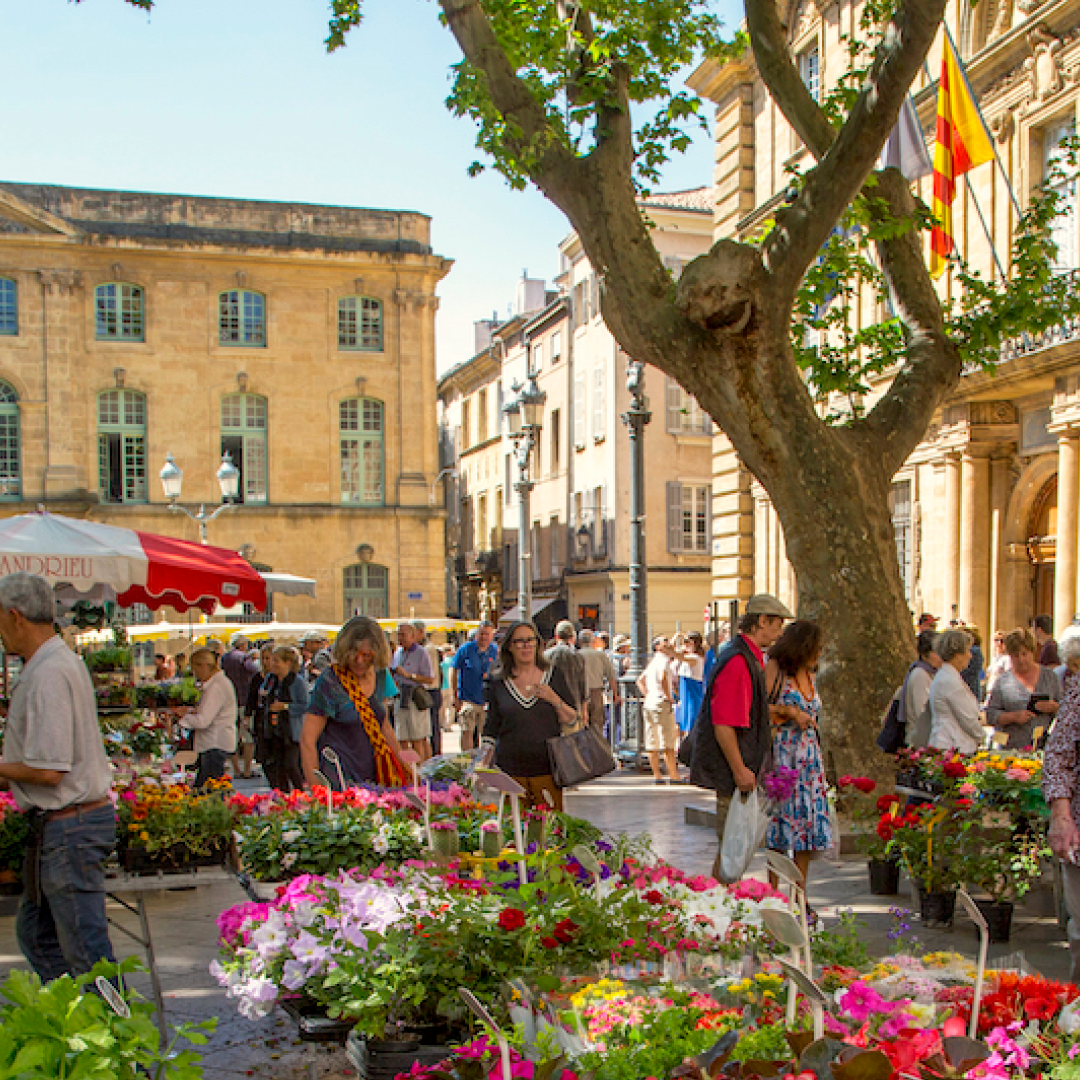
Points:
point(1016, 773)
point(967, 788)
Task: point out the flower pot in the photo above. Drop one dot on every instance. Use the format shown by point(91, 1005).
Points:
point(534, 832)
point(998, 915)
point(490, 844)
point(444, 842)
point(373, 1062)
point(884, 877)
point(937, 908)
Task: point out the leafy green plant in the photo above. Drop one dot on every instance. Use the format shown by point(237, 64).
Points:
point(61, 1030)
point(113, 658)
point(840, 945)
point(14, 829)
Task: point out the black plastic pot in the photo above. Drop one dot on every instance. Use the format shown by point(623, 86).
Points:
point(884, 877)
point(374, 1061)
point(937, 908)
point(998, 915)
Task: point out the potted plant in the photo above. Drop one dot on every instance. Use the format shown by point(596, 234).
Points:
point(874, 821)
point(491, 841)
point(1005, 872)
point(444, 838)
point(929, 841)
point(14, 829)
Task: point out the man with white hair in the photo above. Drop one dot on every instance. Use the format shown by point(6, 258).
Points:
point(54, 761)
point(598, 671)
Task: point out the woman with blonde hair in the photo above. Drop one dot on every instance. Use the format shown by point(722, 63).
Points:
point(347, 712)
point(1026, 696)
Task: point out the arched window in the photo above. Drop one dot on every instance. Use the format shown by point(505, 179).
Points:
point(9, 306)
point(243, 438)
point(122, 446)
point(366, 589)
point(10, 483)
point(360, 439)
point(242, 318)
point(119, 312)
point(360, 323)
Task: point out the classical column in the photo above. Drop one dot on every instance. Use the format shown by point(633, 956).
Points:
point(1001, 571)
point(975, 539)
point(951, 538)
point(1065, 547)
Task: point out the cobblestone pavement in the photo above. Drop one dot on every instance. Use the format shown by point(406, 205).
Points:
point(184, 932)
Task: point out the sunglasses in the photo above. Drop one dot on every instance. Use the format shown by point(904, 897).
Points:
point(524, 641)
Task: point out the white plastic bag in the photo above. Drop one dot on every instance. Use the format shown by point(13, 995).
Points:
point(744, 831)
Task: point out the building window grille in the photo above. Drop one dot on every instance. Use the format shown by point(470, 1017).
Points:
point(9, 306)
point(361, 441)
point(360, 323)
point(244, 438)
point(900, 511)
point(689, 518)
point(10, 450)
point(242, 318)
point(366, 589)
point(119, 312)
point(122, 475)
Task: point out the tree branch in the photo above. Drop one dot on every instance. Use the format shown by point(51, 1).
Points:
point(844, 164)
point(512, 98)
point(933, 364)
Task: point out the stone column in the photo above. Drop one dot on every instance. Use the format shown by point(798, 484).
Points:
point(1065, 553)
point(951, 538)
point(1001, 569)
point(975, 538)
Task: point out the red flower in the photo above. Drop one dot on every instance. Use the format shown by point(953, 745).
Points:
point(863, 784)
point(565, 931)
point(1040, 1008)
point(963, 804)
point(954, 769)
point(549, 943)
point(845, 781)
point(885, 829)
point(655, 896)
point(886, 802)
point(511, 919)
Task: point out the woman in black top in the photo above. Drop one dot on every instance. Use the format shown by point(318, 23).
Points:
point(289, 703)
point(268, 751)
point(528, 702)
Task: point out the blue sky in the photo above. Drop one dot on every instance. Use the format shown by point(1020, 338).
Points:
point(239, 98)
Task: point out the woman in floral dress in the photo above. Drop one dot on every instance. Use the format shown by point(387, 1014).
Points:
point(801, 824)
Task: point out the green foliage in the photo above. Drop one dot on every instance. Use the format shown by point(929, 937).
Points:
point(841, 945)
point(768, 1042)
point(113, 658)
point(14, 829)
point(61, 1031)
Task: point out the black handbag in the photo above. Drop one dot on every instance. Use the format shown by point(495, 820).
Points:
point(893, 733)
point(421, 698)
point(580, 756)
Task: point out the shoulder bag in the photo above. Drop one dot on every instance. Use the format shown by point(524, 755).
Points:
point(580, 756)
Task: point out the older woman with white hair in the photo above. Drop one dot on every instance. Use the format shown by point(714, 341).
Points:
point(213, 720)
point(1069, 651)
point(954, 712)
point(347, 712)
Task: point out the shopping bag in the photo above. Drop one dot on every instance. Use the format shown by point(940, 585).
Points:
point(744, 831)
point(580, 756)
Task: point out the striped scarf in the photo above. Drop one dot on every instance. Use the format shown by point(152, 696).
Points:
point(389, 771)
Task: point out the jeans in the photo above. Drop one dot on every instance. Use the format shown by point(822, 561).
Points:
point(63, 931)
point(211, 766)
point(1070, 878)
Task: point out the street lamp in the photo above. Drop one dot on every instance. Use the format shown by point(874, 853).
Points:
point(228, 478)
point(635, 418)
point(524, 419)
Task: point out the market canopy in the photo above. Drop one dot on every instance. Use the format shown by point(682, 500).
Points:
point(142, 568)
point(288, 584)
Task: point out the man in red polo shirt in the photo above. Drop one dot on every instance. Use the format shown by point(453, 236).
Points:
point(738, 704)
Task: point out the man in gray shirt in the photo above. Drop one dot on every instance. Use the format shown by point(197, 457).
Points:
point(565, 658)
point(54, 761)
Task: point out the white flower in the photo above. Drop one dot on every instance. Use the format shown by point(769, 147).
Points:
point(290, 836)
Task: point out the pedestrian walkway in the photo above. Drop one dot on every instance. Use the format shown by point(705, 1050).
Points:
point(183, 925)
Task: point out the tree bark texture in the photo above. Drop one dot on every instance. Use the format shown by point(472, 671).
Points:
point(724, 334)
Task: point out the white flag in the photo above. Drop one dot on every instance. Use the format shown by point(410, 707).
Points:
point(905, 148)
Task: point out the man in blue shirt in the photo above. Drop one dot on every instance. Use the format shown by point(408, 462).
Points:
point(471, 665)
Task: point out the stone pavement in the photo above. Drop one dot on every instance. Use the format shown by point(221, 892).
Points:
point(184, 932)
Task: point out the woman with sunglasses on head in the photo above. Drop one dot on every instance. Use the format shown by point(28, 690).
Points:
point(528, 702)
point(347, 713)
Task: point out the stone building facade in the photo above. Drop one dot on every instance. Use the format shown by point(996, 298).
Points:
point(579, 504)
point(297, 338)
point(985, 511)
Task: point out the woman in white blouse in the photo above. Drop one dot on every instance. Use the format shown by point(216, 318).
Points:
point(213, 720)
point(955, 723)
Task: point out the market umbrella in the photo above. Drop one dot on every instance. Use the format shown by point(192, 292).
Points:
point(142, 568)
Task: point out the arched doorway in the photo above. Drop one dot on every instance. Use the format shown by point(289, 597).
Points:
point(1041, 547)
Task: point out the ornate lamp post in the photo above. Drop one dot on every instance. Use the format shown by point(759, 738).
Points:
point(228, 477)
point(524, 417)
point(635, 418)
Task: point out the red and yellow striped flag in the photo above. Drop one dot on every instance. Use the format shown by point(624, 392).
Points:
point(962, 143)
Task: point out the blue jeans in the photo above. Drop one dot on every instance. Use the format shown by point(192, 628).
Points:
point(210, 766)
point(63, 931)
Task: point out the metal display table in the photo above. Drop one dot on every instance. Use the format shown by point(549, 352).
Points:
point(130, 892)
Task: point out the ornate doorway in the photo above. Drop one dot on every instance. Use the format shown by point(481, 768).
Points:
point(1041, 548)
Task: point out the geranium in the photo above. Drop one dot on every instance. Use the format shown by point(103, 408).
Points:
point(954, 768)
point(864, 784)
point(885, 803)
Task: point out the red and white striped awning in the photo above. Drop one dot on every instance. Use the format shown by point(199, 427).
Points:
point(142, 568)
